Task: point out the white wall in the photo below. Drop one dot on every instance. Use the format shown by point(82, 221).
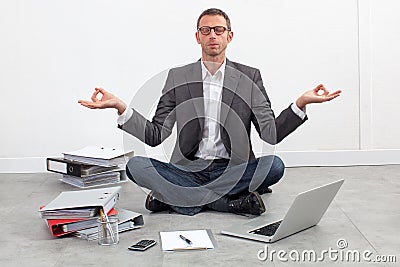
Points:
point(55, 52)
point(385, 78)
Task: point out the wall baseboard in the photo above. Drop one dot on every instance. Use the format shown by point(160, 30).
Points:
point(291, 159)
point(23, 165)
point(340, 157)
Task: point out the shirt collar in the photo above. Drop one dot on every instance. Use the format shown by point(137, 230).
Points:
point(205, 71)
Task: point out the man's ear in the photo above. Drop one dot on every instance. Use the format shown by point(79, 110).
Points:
point(197, 37)
point(230, 37)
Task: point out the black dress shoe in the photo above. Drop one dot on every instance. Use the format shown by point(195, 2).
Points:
point(264, 191)
point(155, 205)
point(247, 204)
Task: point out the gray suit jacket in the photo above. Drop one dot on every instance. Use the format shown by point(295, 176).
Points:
point(244, 101)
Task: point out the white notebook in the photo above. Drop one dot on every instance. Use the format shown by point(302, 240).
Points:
point(172, 241)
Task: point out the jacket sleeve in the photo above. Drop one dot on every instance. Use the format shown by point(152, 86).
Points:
point(154, 132)
point(271, 129)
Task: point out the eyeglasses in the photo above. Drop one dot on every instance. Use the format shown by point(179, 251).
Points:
point(206, 30)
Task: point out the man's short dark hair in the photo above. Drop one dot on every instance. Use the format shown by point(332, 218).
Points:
point(215, 12)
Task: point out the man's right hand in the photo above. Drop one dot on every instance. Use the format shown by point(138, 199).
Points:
point(107, 100)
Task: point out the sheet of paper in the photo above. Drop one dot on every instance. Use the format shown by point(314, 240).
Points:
point(200, 240)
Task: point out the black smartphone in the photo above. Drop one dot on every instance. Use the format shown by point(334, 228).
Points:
point(142, 245)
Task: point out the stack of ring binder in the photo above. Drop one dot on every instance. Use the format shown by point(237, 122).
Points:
point(75, 210)
point(75, 213)
point(91, 166)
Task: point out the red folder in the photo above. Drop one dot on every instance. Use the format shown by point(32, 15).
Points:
point(56, 225)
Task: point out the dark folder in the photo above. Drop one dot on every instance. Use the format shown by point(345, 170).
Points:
point(75, 168)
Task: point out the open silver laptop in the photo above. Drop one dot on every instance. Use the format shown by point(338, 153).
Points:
point(306, 211)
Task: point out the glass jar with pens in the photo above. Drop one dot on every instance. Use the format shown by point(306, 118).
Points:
point(107, 230)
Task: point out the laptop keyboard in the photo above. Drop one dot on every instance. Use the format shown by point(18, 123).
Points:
point(267, 230)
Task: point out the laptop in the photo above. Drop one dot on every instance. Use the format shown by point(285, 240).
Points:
point(306, 211)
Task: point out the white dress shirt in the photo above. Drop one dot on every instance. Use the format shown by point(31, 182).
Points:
point(211, 146)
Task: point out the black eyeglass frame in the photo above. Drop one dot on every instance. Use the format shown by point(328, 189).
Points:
point(213, 28)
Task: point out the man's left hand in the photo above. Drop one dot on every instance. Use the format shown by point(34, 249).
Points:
point(318, 95)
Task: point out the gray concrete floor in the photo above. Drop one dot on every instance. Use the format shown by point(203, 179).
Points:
point(365, 213)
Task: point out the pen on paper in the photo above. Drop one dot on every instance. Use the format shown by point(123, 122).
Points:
point(186, 240)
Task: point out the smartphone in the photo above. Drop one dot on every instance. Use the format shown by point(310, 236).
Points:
point(142, 245)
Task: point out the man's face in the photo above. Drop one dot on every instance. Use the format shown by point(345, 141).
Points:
point(212, 44)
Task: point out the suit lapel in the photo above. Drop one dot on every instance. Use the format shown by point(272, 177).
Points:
point(195, 86)
point(231, 82)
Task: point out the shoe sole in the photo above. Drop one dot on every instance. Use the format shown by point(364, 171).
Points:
point(259, 199)
point(149, 196)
